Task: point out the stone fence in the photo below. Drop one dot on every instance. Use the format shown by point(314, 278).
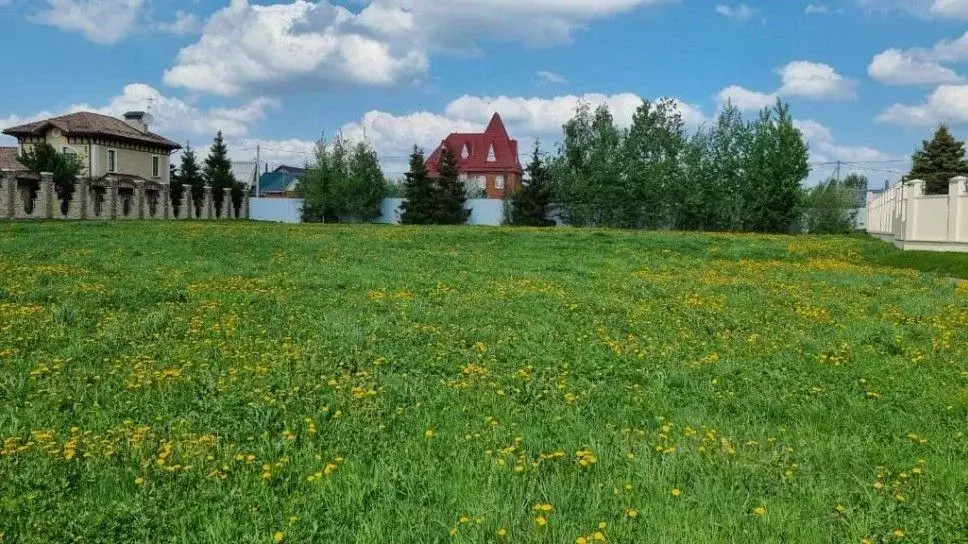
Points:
point(113, 197)
point(910, 219)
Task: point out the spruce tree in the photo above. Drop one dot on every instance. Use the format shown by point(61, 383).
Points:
point(218, 172)
point(450, 195)
point(530, 204)
point(188, 174)
point(938, 161)
point(418, 208)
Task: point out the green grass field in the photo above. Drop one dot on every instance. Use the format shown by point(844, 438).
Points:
point(172, 382)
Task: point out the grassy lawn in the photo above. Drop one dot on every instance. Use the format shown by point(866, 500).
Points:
point(218, 382)
point(954, 265)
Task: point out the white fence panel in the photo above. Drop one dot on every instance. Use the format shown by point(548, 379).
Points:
point(279, 210)
point(484, 211)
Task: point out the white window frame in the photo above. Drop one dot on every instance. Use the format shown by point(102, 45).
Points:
point(491, 154)
point(155, 166)
point(112, 166)
point(499, 182)
point(482, 182)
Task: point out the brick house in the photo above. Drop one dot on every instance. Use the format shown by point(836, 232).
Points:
point(488, 160)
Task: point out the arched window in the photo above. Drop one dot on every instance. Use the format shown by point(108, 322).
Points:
point(499, 182)
point(464, 153)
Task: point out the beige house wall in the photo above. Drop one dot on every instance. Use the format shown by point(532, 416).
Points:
point(94, 159)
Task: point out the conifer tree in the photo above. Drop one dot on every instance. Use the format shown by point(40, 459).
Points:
point(530, 204)
point(450, 195)
point(188, 174)
point(939, 160)
point(217, 172)
point(418, 208)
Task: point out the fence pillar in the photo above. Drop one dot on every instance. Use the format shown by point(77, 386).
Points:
point(78, 204)
point(958, 209)
point(42, 207)
point(226, 208)
point(110, 207)
point(6, 196)
point(244, 211)
point(137, 207)
point(914, 190)
point(186, 208)
point(164, 201)
point(207, 205)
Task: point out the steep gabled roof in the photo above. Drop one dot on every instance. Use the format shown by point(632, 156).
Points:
point(479, 146)
point(85, 123)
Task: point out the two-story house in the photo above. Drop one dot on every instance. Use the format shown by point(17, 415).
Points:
point(488, 160)
point(118, 153)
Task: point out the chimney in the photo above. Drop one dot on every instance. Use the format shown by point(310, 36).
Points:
point(136, 119)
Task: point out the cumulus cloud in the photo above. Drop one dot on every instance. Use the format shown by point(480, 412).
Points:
point(745, 99)
point(948, 103)
point(801, 78)
point(183, 23)
point(302, 44)
point(822, 9)
point(550, 78)
point(939, 9)
point(173, 117)
point(740, 13)
point(920, 66)
point(100, 21)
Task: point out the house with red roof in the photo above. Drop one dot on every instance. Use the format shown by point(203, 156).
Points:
point(488, 160)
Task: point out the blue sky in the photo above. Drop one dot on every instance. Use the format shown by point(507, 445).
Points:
point(866, 79)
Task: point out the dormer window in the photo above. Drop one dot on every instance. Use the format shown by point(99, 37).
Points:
point(464, 153)
point(491, 157)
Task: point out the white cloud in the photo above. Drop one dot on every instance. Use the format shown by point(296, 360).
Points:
point(184, 23)
point(825, 149)
point(815, 80)
point(954, 9)
point(822, 9)
point(301, 44)
point(745, 99)
point(550, 78)
point(799, 78)
point(940, 9)
point(740, 13)
point(920, 66)
point(948, 103)
point(173, 118)
point(101, 21)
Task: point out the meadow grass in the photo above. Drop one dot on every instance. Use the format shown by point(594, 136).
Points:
point(242, 382)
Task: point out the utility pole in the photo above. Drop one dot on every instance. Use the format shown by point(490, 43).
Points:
point(837, 175)
point(258, 171)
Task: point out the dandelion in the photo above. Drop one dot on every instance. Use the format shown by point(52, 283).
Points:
point(453, 532)
point(676, 492)
point(279, 536)
point(543, 507)
point(760, 510)
point(139, 481)
point(898, 533)
point(541, 521)
point(430, 433)
point(502, 532)
point(632, 513)
point(602, 525)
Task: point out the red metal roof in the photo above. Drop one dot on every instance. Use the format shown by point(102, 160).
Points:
point(478, 149)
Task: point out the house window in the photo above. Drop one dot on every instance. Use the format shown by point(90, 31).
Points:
point(499, 182)
point(464, 153)
point(112, 161)
point(156, 167)
point(491, 157)
point(481, 182)
point(67, 151)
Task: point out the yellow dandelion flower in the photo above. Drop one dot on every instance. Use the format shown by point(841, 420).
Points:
point(464, 519)
point(632, 513)
point(502, 532)
point(599, 536)
point(541, 521)
point(453, 532)
point(676, 492)
point(841, 508)
point(898, 533)
point(581, 540)
point(279, 536)
point(760, 510)
point(602, 525)
point(430, 433)
point(139, 480)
